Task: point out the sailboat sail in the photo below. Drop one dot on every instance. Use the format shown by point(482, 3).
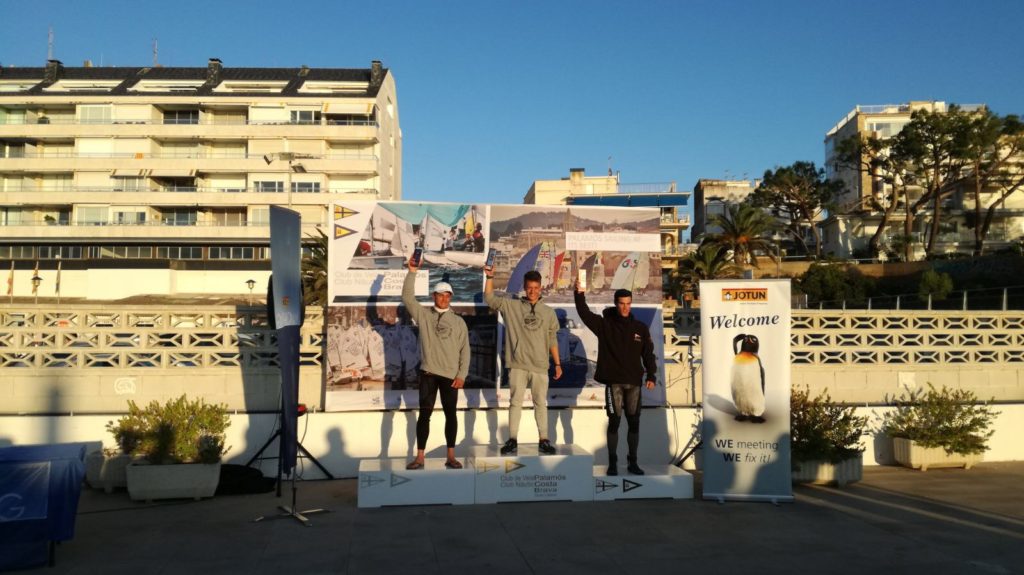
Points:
point(526, 263)
point(625, 274)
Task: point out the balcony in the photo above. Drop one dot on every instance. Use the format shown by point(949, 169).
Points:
point(681, 222)
point(342, 131)
point(176, 196)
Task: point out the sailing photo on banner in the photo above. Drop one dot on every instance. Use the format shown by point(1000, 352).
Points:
point(618, 249)
point(371, 243)
point(373, 358)
point(745, 339)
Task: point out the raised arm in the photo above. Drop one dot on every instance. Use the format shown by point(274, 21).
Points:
point(590, 319)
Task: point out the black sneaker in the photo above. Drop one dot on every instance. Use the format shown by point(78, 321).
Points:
point(634, 469)
point(613, 470)
point(510, 447)
point(545, 447)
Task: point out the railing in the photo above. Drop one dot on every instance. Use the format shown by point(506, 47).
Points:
point(182, 189)
point(679, 220)
point(181, 155)
point(21, 121)
point(648, 188)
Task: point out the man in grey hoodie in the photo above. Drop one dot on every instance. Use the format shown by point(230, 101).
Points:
point(530, 335)
point(444, 363)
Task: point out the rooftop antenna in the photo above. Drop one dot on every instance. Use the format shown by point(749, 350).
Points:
point(49, 45)
point(155, 51)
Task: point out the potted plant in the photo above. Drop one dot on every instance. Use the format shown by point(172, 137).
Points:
point(938, 428)
point(176, 448)
point(825, 439)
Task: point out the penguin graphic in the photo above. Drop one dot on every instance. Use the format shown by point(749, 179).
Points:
point(747, 379)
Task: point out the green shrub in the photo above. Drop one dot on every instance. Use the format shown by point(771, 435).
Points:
point(951, 419)
point(821, 430)
point(938, 285)
point(834, 282)
point(179, 431)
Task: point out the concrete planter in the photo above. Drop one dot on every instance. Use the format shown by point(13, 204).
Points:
point(186, 480)
point(107, 472)
point(910, 454)
point(826, 473)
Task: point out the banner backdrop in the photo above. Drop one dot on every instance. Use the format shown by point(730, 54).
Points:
point(372, 345)
point(745, 360)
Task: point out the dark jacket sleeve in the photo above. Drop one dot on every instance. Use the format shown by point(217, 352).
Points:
point(590, 319)
point(650, 361)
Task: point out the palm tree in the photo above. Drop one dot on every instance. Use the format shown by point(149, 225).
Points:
point(709, 262)
point(744, 228)
point(314, 271)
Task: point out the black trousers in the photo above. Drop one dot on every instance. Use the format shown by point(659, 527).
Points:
point(618, 400)
point(430, 385)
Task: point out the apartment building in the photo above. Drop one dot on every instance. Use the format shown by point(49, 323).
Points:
point(847, 231)
point(154, 180)
point(713, 197)
point(582, 190)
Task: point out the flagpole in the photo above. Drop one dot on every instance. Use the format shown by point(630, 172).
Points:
point(58, 280)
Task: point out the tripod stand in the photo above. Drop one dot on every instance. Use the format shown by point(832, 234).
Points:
point(289, 510)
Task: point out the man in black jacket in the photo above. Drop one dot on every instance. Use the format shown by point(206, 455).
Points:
point(625, 353)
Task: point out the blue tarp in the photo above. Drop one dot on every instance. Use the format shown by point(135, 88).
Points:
point(39, 490)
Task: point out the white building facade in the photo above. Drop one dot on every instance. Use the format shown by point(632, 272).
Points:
point(160, 180)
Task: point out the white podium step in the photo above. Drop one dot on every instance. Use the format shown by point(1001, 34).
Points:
point(658, 482)
point(385, 482)
point(529, 476)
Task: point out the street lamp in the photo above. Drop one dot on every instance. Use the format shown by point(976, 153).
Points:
point(36, 280)
point(778, 253)
point(251, 283)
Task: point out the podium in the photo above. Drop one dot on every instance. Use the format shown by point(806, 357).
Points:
point(658, 482)
point(490, 477)
point(527, 475)
point(385, 482)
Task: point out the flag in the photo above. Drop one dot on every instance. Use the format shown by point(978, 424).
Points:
point(35, 274)
point(10, 281)
point(57, 287)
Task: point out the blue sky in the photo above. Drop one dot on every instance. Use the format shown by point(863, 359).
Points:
point(493, 95)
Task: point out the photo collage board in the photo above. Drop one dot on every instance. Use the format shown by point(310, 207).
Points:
point(372, 343)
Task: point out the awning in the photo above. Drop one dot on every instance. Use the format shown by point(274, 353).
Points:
point(363, 109)
point(172, 173)
point(134, 173)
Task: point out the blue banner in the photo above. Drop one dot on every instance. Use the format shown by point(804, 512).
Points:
point(286, 256)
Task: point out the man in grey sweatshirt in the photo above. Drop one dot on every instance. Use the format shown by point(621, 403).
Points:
point(530, 335)
point(444, 363)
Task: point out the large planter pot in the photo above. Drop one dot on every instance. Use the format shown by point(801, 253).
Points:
point(107, 472)
point(826, 473)
point(186, 480)
point(912, 455)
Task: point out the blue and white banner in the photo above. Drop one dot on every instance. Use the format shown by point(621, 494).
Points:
point(745, 360)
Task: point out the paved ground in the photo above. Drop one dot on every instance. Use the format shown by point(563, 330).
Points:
point(895, 521)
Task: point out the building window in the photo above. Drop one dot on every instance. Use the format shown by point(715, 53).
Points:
point(231, 253)
point(94, 114)
point(229, 217)
point(306, 187)
point(181, 117)
point(260, 216)
point(18, 252)
point(92, 216)
point(268, 186)
point(305, 116)
point(178, 217)
point(130, 217)
point(120, 252)
point(129, 184)
point(63, 252)
point(179, 252)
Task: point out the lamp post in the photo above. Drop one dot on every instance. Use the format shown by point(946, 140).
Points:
point(778, 254)
point(251, 283)
point(36, 280)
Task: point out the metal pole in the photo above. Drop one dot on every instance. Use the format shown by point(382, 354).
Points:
point(965, 300)
point(897, 303)
point(929, 302)
point(869, 304)
point(1005, 301)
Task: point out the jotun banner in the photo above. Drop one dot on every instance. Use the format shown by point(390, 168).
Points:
point(745, 360)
